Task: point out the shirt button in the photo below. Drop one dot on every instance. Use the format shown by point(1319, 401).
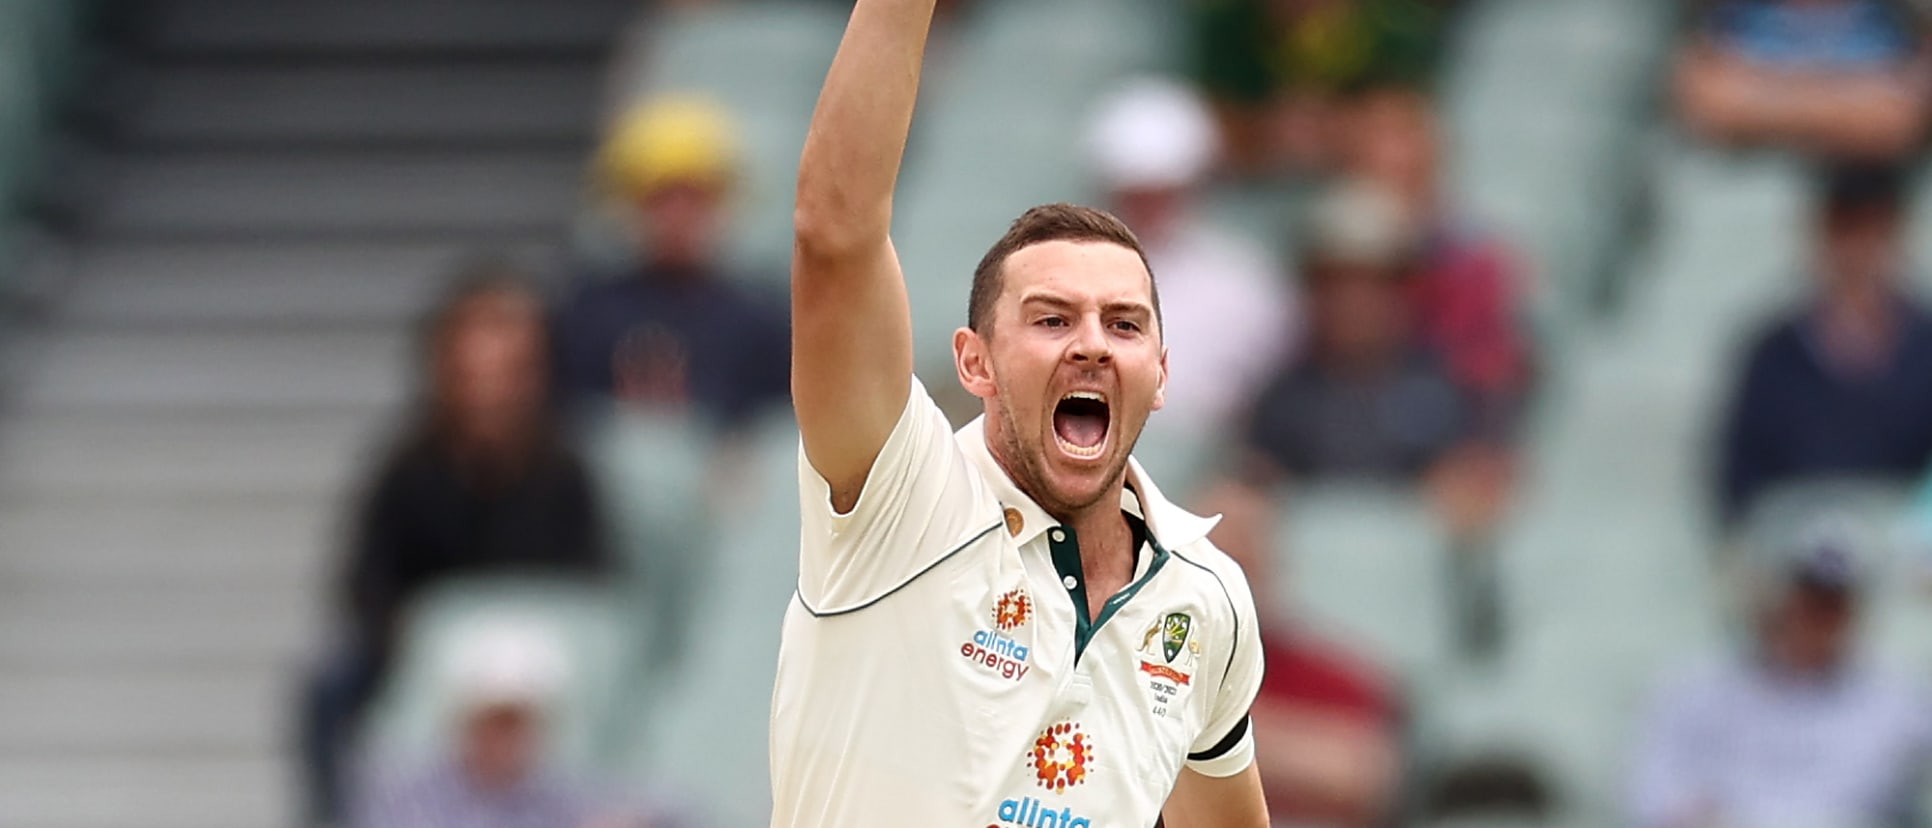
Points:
point(1070, 582)
point(1058, 536)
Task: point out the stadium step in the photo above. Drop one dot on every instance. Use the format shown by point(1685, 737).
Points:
point(185, 370)
point(191, 789)
point(258, 209)
point(239, 103)
point(183, 631)
point(366, 27)
point(213, 456)
point(161, 543)
point(305, 194)
point(194, 283)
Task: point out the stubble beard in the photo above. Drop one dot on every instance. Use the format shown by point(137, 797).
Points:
point(1028, 470)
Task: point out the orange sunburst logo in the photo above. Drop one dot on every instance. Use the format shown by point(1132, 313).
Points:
point(1060, 757)
point(1012, 610)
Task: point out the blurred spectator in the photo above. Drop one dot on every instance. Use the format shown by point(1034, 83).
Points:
point(1465, 287)
point(1327, 723)
point(1843, 385)
point(1279, 71)
point(1366, 401)
point(677, 331)
point(1227, 315)
point(1797, 730)
point(1844, 78)
point(479, 482)
point(507, 680)
point(1488, 791)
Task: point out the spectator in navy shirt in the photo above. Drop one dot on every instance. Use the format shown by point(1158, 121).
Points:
point(679, 331)
point(1842, 386)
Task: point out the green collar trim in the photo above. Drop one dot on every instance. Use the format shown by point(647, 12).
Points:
point(1065, 546)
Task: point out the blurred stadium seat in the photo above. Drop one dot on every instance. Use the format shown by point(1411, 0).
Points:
point(702, 729)
point(1369, 566)
point(1547, 106)
point(656, 475)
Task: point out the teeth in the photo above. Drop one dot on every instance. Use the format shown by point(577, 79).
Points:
point(1085, 395)
point(1082, 453)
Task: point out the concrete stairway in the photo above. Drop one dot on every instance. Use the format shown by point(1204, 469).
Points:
point(256, 226)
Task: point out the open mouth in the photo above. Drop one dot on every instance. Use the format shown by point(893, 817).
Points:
point(1080, 424)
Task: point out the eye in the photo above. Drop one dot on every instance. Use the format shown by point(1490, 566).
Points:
point(1126, 326)
point(1052, 322)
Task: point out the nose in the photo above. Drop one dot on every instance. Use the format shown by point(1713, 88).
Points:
point(1091, 345)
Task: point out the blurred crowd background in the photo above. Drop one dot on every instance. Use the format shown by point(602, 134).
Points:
point(394, 424)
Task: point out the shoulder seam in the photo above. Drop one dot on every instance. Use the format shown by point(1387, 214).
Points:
point(815, 613)
point(1233, 611)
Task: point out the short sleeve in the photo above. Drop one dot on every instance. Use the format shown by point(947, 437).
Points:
point(922, 501)
point(1225, 746)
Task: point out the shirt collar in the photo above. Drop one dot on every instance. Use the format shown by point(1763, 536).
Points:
point(1171, 526)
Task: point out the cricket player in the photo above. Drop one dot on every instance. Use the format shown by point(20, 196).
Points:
point(1009, 625)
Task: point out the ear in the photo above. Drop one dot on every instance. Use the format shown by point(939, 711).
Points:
point(974, 362)
point(1160, 389)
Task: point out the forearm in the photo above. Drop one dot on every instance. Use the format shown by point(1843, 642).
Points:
point(851, 325)
point(857, 139)
point(1876, 113)
point(1217, 802)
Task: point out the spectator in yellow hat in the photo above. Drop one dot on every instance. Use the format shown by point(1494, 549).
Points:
point(679, 330)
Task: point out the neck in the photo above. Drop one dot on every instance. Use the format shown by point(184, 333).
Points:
point(1106, 541)
point(1107, 555)
point(1857, 329)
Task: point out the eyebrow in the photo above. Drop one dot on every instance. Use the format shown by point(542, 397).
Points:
point(1121, 307)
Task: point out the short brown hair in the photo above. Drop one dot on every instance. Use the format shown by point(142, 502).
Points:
point(1045, 223)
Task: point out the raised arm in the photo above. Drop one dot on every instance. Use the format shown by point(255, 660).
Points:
point(851, 327)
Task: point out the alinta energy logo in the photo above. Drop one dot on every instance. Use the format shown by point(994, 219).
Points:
point(1060, 756)
point(994, 649)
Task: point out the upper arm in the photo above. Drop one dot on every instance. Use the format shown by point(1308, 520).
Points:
point(851, 359)
point(1225, 744)
point(1201, 801)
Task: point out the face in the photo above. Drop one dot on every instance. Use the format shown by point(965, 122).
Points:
point(1860, 246)
point(682, 222)
point(490, 371)
point(1357, 310)
point(500, 744)
point(1393, 142)
point(1070, 367)
point(1810, 630)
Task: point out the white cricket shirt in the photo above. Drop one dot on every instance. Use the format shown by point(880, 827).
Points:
point(938, 666)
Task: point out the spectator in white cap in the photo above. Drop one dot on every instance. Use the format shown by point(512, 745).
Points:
point(504, 682)
point(1228, 315)
point(1798, 729)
